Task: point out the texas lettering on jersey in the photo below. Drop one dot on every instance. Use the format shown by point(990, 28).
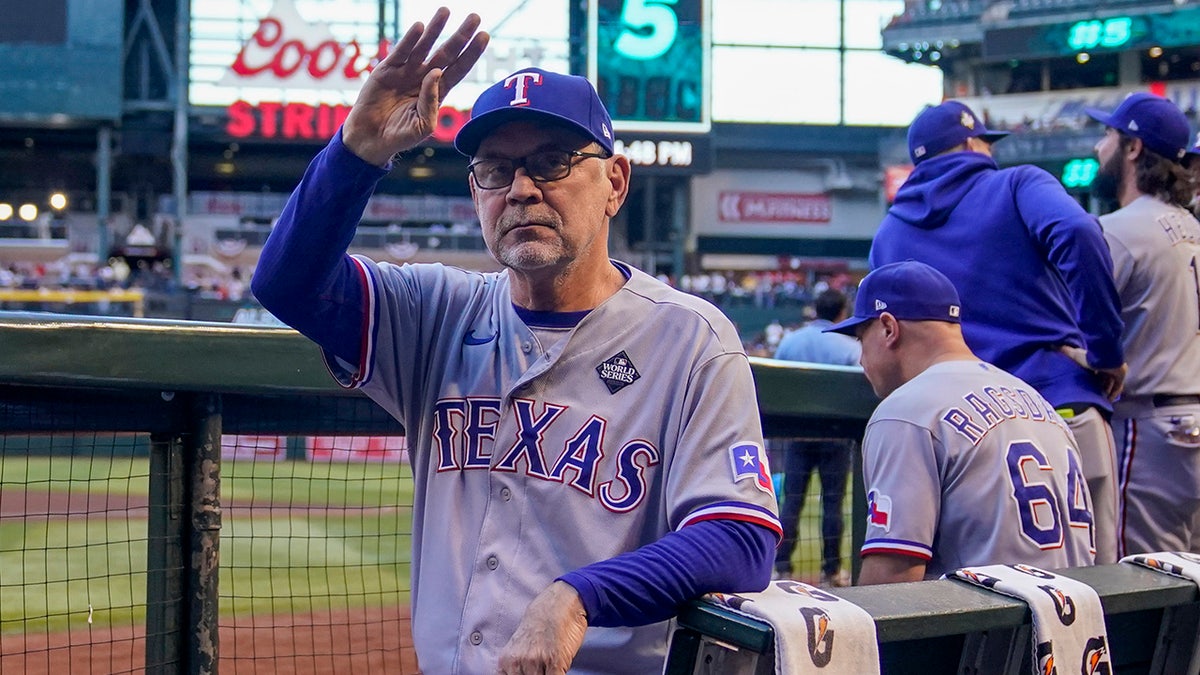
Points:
point(464, 432)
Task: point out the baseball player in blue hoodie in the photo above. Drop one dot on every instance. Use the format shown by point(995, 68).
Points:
point(1033, 270)
point(574, 482)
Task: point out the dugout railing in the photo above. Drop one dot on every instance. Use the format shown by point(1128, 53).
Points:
point(171, 394)
point(946, 627)
point(180, 389)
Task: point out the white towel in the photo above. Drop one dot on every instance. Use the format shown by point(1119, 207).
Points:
point(1068, 620)
point(815, 631)
point(1177, 564)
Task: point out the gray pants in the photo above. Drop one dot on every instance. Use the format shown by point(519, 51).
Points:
point(1099, 456)
point(1159, 453)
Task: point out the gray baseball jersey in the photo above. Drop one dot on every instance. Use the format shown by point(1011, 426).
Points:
point(531, 462)
point(1156, 264)
point(966, 464)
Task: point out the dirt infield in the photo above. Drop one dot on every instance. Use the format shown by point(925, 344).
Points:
point(367, 640)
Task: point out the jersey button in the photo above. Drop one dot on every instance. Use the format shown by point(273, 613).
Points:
point(527, 346)
point(506, 494)
point(492, 562)
point(476, 638)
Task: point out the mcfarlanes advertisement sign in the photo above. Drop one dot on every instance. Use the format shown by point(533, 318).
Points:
point(774, 207)
point(291, 69)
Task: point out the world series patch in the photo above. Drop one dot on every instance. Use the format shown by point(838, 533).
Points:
point(617, 372)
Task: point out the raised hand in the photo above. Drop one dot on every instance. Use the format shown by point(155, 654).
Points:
point(398, 104)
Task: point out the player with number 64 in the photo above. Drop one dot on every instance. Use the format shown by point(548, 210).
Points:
point(964, 464)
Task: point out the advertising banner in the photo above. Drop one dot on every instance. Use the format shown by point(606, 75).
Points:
point(291, 69)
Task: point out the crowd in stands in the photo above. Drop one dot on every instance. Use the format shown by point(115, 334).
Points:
point(59, 274)
point(785, 290)
point(765, 289)
point(119, 274)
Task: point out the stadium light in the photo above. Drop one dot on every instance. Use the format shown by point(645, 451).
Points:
point(28, 212)
point(6, 211)
point(58, 201)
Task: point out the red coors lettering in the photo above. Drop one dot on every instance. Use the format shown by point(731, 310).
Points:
point(289, 55)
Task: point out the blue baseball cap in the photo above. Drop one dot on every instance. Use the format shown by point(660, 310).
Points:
point(538, 95)
point(1159, 124)
point(941, 127)
point(908, 290)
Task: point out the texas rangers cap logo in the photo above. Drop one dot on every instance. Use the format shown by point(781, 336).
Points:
point(519, 83)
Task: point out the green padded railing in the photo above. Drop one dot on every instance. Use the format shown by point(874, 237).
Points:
point(184, 387)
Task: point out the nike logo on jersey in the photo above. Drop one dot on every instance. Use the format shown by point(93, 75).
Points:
point(470, 338)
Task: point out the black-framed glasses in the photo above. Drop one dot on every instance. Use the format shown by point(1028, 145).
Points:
point(541, 167)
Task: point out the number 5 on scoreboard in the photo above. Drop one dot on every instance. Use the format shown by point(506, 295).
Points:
point(648, 30)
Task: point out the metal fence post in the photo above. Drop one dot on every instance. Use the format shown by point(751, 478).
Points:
point(166, 609)
point(858, 512)
point(203, 452)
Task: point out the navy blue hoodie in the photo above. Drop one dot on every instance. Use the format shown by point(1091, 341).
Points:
point(1030, 265)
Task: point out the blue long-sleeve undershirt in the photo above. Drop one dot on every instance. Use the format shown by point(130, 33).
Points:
point(307, 280)
point(651, 583)
point(304, 275)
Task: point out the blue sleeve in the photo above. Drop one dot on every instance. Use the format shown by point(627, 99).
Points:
point(304, 275)
point(650, 584)
point(1075, 246)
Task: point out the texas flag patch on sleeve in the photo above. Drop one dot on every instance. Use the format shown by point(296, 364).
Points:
point(749, 462)
point(879, 510)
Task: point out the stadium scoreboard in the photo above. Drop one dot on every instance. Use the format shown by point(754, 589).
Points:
point(650, 60)
point(1114, 33)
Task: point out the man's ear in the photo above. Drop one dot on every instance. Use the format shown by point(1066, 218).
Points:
point(1134, 149)
point(619, 170)
point(890, 326)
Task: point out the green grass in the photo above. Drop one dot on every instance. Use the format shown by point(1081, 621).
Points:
point(79, 473)
point(806, 557)
point(278, 560)
point(55, 573)
point(273, 561)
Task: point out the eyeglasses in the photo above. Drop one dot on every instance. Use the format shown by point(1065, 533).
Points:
point(542, 167)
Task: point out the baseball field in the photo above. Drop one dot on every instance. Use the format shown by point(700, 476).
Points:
point(313, 568)
point(314, 564)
